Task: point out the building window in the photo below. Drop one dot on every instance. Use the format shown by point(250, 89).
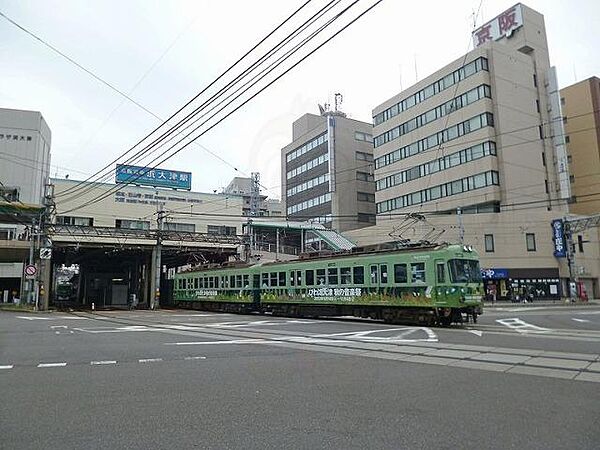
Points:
point(174, 226)
point(71, 220)
point(461, 157)
point(482, 91)
point(481, 180)
point(534, 80)
point(362, 156)
point(364, 176)
point(132, 224)
point(580, 242)
point(309, 184)
point(565, 119)
point(572, 179)
point(546, 185)
point(434, 88)
point(567, 139)
point(316, 201)
point(541, 131)
point(221, 229)
point(368, 218)
point(306, 147)
point(365, 197)
point(360, 136)
point(569, 159)
point(562, 101)
point(443, 136)
point(530, 241)
point(537, 105)
point(489, 242)
point(308, 165)
point(543, 159)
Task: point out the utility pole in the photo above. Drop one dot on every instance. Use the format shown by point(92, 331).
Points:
point(156, 266)
point(461, 227)
point(570, 261)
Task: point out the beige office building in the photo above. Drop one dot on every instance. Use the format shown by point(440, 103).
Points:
point(581, 118)
point(477, 148)
point(326, 172)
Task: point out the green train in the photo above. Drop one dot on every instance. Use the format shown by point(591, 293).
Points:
point(431, 285)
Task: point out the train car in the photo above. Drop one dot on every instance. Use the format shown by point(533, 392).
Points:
point(433, 285)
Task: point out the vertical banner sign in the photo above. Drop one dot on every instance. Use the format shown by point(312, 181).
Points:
point(558, 236)
point(331, 150)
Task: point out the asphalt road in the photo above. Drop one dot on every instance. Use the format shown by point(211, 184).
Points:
point(520, 378)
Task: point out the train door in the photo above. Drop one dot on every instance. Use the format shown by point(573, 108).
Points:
point(256, 290)
point(379, 277)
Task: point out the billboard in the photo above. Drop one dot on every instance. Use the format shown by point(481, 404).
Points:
point(146, 176)
point(499, 27)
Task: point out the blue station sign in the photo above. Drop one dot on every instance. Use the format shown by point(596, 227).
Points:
point(558, 236)
point(153, 177)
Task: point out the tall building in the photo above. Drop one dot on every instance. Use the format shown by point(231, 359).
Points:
point(24, 170)
point(326, 172)
point(477, 147)
point(581, 118)
point(25, 155)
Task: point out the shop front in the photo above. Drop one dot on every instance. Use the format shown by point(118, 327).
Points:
point(518, 285)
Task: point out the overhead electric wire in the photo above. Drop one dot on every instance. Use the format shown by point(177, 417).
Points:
point(141, 106)
point(147, 150)
point(251, 97)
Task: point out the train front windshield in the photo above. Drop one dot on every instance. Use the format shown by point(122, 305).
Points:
point(464, 271)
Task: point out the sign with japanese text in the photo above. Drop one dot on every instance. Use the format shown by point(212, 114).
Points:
point(558, 236)
point(494, 274)
point(499, 27)
point(153, 177)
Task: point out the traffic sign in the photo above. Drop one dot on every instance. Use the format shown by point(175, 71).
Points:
point(45, 253)
point(30, 270)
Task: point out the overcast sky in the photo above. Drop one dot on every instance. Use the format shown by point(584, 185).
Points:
point(178, 47)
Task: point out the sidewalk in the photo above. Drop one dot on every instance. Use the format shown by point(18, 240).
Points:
point(529, 304)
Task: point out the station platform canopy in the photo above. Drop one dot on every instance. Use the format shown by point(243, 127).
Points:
point(335, 240)
point(17, 212)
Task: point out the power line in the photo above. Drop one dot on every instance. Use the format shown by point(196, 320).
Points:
point(253, 95)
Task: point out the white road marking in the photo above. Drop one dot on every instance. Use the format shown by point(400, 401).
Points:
point(476, 332)
point(60, 364)
point(580, 320)
point(8, 366)
point(102, 363)
point(54, 318)
point(58, 326)
point(149, 360)
point(193, 358)
point(57, 332)
point(521, 326)
point(234, 341)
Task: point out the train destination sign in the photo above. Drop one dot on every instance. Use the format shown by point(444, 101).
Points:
point(146, 176)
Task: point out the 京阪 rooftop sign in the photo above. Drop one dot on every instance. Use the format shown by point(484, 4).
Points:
point(146, 176)
point(499, 27)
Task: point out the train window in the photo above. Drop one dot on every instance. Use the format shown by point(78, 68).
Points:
point(232, 281)
point(320, 277)
point(374, 278)
point(211, 282)
point(417, 272)
point(384, 273)
point(332, 276)
point(345, 275)
point(273, 277)
point(441, 273)
point(292, 279)
point(298, 277)
point(281, 278)
point(265, 280)
point(310, 277)
point(400, 273)
point(238, 281)
point(195, 283)
point(246, 279)
point(359, 274)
